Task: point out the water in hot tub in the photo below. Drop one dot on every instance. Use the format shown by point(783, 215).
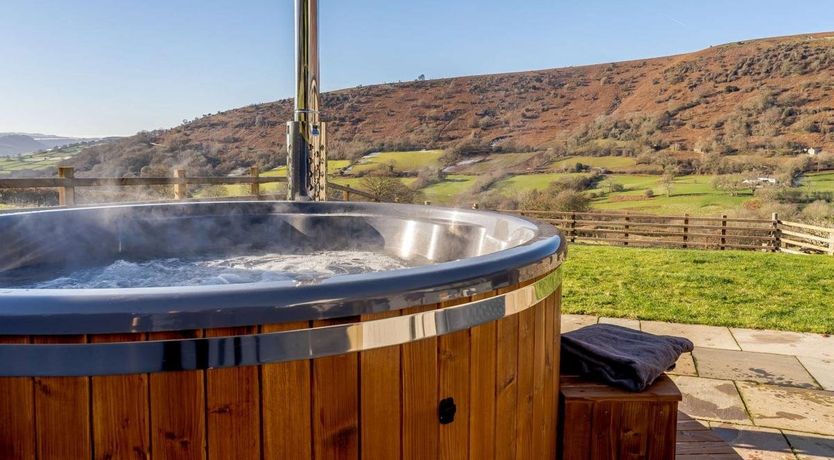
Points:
point(297, 268)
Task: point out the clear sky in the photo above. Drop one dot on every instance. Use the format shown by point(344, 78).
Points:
point(114, 67)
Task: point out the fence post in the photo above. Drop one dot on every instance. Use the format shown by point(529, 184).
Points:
point(66, 194)
point(831, 244)
point(777, 242)
point(347, 194)
point(573, 227)
point(685, 230)
point(625, 235)
point(723, 231)
point(255, 186)
point(181, 187)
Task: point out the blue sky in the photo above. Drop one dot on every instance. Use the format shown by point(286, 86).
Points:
point(114, 67)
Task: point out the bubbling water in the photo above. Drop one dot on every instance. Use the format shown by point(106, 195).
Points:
point(296, 268)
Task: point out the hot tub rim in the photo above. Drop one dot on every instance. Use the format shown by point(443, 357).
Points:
point(56, 312)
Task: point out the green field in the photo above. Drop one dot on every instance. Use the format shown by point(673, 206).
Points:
point(690, 195)
point(496, 162)
point(818, 182)
point(612, 163)
point(447, 191)
point(402, 161)
point(527, 182)
point(36, 161)
point(722, 288)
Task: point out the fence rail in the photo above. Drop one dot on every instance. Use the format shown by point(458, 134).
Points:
point(647, 230)
point(66, 183)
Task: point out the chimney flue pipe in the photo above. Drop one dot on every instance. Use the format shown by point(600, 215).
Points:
point(306, 138)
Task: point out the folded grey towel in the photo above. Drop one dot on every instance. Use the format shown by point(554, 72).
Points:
point(620, 356)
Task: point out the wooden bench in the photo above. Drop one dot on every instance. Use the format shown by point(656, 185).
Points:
point(601, 422)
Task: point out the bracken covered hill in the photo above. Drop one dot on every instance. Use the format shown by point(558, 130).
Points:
point(767, 96)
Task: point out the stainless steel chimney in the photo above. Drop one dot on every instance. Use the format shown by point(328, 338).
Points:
point(306, 138)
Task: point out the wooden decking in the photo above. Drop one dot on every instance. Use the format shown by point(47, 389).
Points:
point(697, 442)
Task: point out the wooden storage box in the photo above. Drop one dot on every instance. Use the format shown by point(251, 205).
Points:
point(601, 422)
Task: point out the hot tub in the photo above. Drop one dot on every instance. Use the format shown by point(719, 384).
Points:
point(454, 355)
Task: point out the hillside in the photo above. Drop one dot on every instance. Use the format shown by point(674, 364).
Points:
point(22, 143)
point(771, 95)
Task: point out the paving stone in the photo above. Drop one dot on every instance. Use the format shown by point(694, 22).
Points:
point(789, 408)
point(821, 369)
point(684, 366)
point(701, 336)
point(785, 343)
point(755, 367)
point(574, 322)
point(629, 323)
point(710, 399)
point(811, 446)
point(754, 443)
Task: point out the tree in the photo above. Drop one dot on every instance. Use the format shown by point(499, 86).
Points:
point(422, 77)
point(388, 189)
point(668, 179)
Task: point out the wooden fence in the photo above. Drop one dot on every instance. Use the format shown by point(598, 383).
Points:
point(642, 230)
point(646, 230)
point(66, 183)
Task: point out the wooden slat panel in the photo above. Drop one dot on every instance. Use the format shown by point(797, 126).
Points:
point(482, 387)
point(575, 441)
point(380, 398)
point(454, 383)
point(605, 431)
point(17, 413)
point(663, 428)
point(524, 408)
point(335, 404)
point(636, 423)
point(120, 411)
point(420, 381)
point(233, 406)
point(539, 411)
point(286, 389)
point(552, 347)
point(506, 389)
point(178, 409)
point(62, 412)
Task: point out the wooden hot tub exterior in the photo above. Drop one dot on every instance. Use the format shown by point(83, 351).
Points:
point(455, 360)
point(375, 404)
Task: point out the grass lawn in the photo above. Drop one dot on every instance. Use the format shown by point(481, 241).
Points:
point(721, 288)
point(402, 161)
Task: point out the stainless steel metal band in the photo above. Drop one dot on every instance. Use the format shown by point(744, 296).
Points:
point(37, 360)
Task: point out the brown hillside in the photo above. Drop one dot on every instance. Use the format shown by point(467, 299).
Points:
point(771, 95)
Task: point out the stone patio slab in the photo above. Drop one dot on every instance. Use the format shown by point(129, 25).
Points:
point(811, 446)
point(754, 443)
point(821, 369)
point(701, 336)
point(574, 322)
point(788, 408)
point(684, 366)
point(756, 367)
point(629, 323)
point(710, 399)
point(785, 343)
